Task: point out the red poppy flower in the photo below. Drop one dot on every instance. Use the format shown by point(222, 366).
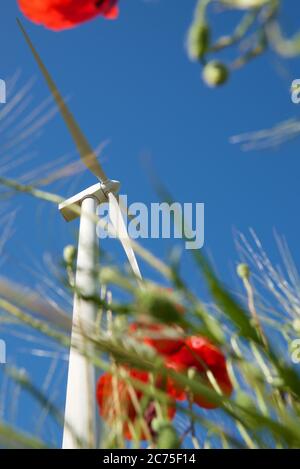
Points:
point(115, 400)
point(156, 336)
point(63, 14)
point(200, 354)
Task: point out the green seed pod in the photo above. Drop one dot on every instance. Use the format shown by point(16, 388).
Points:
point(158, 423)
point(243, 400)
point(167, 437)
point(243, 271)
point(296, 325)
point(120, 323)
point(69, 254)
point(215, 73)
point(245, 4)
point(159, 305)
point(198, 40)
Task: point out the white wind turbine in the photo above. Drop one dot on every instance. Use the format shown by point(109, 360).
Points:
point(80, 410)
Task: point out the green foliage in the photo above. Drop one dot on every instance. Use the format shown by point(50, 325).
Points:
point(258, 30)
point(264, 409)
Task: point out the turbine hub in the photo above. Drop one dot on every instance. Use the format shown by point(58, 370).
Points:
point(110, 186)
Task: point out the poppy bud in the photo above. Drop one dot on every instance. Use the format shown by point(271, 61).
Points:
point(198, 40)
point(243, 271)
point(167, 437)
point(244, 4)
point(69, 254)
point(120, 323)
point(244, 400)
point(157, 424)
point(215, 73)
point(296, 325)
point(159, 305)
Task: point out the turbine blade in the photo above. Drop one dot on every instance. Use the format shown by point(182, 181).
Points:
point(119, 226)
point(86, 153)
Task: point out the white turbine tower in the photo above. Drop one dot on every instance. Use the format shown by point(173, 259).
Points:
point(80, 410)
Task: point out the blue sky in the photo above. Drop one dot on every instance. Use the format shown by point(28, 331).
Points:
point(131, 82)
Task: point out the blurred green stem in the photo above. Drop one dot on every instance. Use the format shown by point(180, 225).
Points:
point(238, 34)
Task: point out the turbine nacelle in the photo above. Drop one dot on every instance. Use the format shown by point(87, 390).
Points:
point(70, 208)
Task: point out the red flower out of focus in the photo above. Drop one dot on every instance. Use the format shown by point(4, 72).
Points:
point(63, 14)
point(179, 355)
point(201, 355)
point(157, 338)
point(115, 400)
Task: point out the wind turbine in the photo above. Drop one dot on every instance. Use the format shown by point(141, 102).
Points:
point(80, 410)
